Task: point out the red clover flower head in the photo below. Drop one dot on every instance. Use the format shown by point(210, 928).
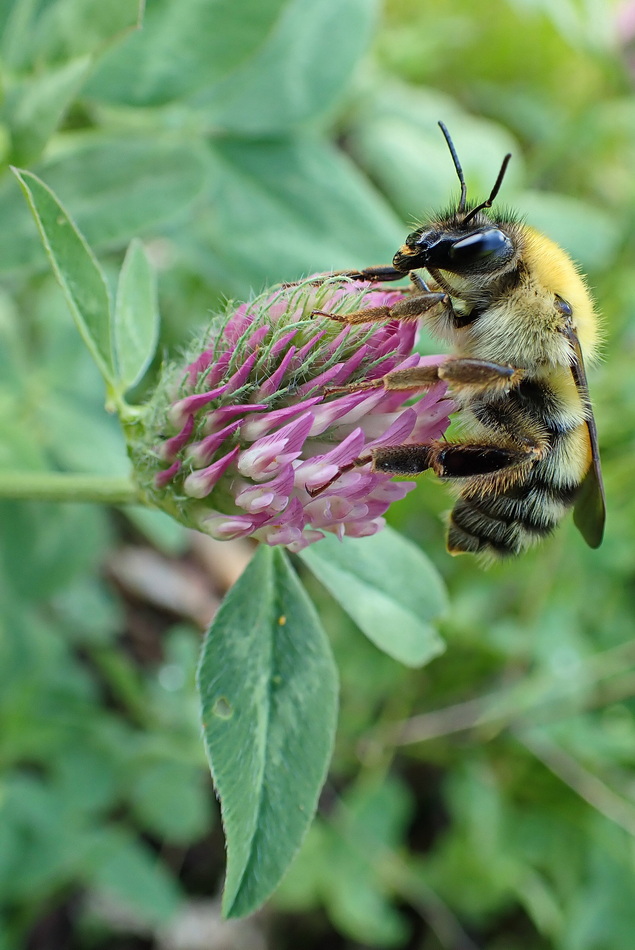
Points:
point(239, 436)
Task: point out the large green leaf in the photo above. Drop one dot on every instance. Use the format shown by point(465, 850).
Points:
point(36, 106)
point(389, 588)
point(53, 33)
point(281, 209)
point(57, 31)
point(76, 269)
point(269, 700)
point(587, 232)
point(397, 139)
point(286, 82)
point(115, 188)
point(182, 47)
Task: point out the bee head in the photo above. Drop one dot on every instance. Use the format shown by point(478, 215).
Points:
point(468, 243)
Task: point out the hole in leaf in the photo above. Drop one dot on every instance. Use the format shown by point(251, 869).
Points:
point(223, 708)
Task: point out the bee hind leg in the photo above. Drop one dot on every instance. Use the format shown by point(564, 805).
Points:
point(447, 460)
point(450, 460)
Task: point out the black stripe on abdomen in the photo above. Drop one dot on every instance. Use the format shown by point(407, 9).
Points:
point(506, 523)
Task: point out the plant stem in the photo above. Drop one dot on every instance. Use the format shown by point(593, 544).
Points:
point(587, 785)
point(62, 487)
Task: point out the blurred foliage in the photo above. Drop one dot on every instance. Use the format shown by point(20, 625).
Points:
point(485, 802)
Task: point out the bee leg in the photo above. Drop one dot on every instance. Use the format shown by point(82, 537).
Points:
point(379, 274)
point(410, 308)
point(454, 460)
point(458, 373)
point(447, 460)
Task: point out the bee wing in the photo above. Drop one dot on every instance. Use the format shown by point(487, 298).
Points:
point(589, 512)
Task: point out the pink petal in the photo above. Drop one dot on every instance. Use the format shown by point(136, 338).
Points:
point(199, 366)
point(240, 377)
point(344, 410)
point(280, 345)
point(318, 470)
point(308, 537)
point(171, 447)
point(227, 527)
point(161, 479)
point(364, 529)
point(304, 351)
point(397, 431)
point(269, 453)
point(199, 484)
point(257, 337)
point(200, 453)
point(272, 496)
point(272, 384)
point(180, 411)
point(219, 367)
point(217, 419)
point(260, 425)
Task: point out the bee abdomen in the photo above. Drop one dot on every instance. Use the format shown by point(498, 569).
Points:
point(505, 524)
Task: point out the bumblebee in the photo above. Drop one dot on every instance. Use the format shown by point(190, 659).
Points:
point(519, 317)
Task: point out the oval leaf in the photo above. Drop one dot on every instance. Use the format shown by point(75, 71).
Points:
point(315, 212)
point(268, 688)
point(116, 187)
point(390, 589)
point(38, 105)
point(183, 47)
point(286, 82)
point(136, 316)
point(76, 269)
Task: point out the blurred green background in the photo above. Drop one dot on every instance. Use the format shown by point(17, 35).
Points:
point(485, 802)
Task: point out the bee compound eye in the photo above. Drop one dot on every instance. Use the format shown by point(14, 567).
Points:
point(563, 307)
point(480, 245)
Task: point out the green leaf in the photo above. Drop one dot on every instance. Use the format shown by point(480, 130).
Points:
point(160, 529)
point(125, 869)
point(315, 212)
point(45, 546)
point(115, 187)
point(367, 829)
point(183, 47)
point(136, 323)
point(36, 108)
point(390, 589)
point(397, 140)
point(268, 688)
point(587, 232)
point(76, 269)
point(170, 800)
point(81, 437)
point(47, 33)
point(286, 82)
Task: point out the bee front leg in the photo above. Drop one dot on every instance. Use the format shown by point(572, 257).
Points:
point(378, 274)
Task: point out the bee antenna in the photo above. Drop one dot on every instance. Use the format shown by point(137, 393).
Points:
point(457, 165)
point(494, 191)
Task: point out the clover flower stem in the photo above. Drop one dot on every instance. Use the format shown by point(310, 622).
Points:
point(63, 487)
